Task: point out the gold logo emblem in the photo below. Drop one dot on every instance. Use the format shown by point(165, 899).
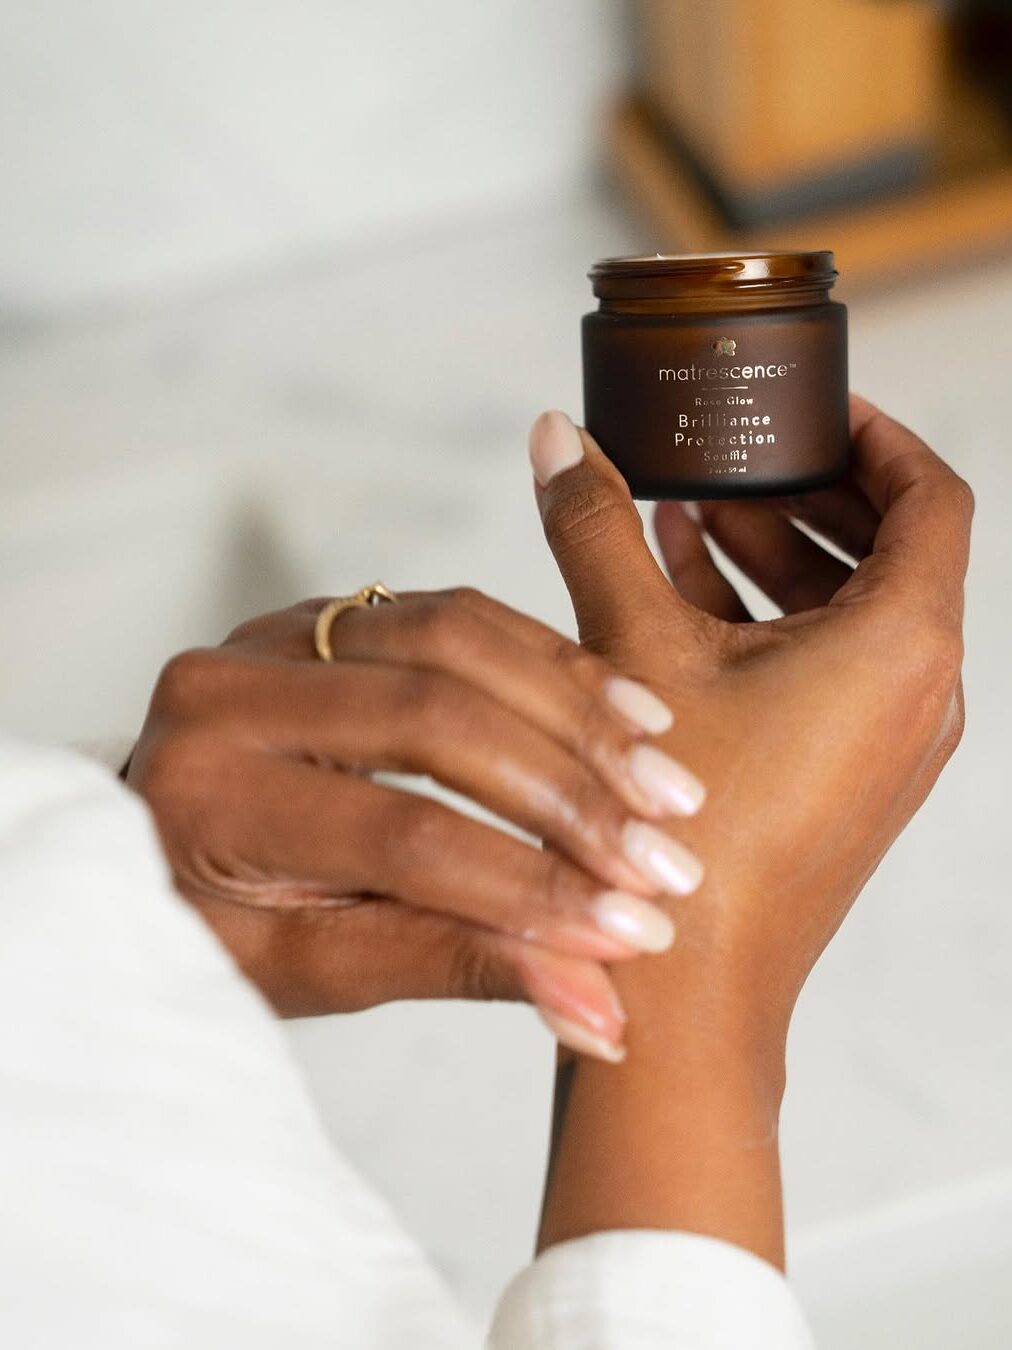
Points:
point(724, 346)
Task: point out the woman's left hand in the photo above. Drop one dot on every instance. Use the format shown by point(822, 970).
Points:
point(819, 734)
point(336, 891)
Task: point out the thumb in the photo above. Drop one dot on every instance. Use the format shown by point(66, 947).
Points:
point(594, 531)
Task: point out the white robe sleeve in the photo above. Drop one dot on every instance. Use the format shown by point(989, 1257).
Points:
point(649, 1290)
point(164, 1179)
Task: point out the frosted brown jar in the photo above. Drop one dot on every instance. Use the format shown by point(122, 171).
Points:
point(718, 375)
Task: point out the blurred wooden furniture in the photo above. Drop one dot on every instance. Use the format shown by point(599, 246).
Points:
point(813, 123)
point(790, 105)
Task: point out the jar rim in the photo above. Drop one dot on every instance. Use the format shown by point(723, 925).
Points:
point(745, 270)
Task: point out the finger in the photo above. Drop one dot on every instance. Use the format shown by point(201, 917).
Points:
point(635, 704)
point(310, 962)
point(922, 545)
point(840, 514)
point(567, 695)
point(787, 566)
point(691, 568)
point(440, 630)
point(565, 692)
point(324, 836)
point(595, 533)
point(369, 717)
point(284, 633)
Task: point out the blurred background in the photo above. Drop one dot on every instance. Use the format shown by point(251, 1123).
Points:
point(282, 287)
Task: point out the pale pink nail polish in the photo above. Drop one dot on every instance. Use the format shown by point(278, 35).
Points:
point(638, 705)
point(636, 922)
point(554, 445)
point(661, 859)
point(664, 781)
point(580, 1039)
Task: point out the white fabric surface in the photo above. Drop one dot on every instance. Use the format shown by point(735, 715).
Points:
point(164, 1181)
point(649, 1291)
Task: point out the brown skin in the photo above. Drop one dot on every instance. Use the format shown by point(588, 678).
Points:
point(335, 892)
point(819, 734)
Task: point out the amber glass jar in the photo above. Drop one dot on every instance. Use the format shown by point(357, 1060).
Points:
point(718, 374)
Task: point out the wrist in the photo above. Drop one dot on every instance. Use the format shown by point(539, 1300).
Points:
point(683, 1134)
point(715, 1013)
point(685, 1141)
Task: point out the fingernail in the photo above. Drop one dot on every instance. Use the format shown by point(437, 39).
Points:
point(636, 703)
point(661, 859)
point(554, 445)
point(633, 921)
point(694, 511)
point(664, 781)
point(580, 1039)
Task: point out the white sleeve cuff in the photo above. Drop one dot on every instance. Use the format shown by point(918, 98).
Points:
point(649, 1290)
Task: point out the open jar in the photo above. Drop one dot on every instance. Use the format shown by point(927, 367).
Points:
point(718, 374)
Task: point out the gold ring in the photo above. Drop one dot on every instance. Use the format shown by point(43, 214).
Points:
point(376, 594)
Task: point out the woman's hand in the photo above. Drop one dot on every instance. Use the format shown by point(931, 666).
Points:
point(335, 891)
point(819, 734)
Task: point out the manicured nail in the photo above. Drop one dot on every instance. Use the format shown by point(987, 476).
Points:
point(664, 781)
point(633, 921)
point(694, 511)
point(580, 1039)
point(638, 705)
point(661, 859)
point(554, 445)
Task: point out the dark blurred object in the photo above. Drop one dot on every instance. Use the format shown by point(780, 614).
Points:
point(792, 106)
point(872, 127)
point(982, 40)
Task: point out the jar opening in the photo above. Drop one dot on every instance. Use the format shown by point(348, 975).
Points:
point(682, 274)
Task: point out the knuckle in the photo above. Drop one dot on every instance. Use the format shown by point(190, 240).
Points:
point(933, 661)
point(949, 495)
point(943, 655)
point(415, 829)
point(556, 886)
point(444, 625)
point(176, 765)
point(427, 699)
point(465, 597)
point(965, 496)
point(476, 972)
point(596, 733)
point(589, 815)
point(580, 664)
point(955, 725)
point(282, 630)
point(585, 515)
point(186, 680)
point(477, 603)
point(255, 627)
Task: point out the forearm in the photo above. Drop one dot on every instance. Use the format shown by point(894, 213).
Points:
point(684, 1134)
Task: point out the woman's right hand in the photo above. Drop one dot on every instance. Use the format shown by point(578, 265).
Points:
point(335, 892)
